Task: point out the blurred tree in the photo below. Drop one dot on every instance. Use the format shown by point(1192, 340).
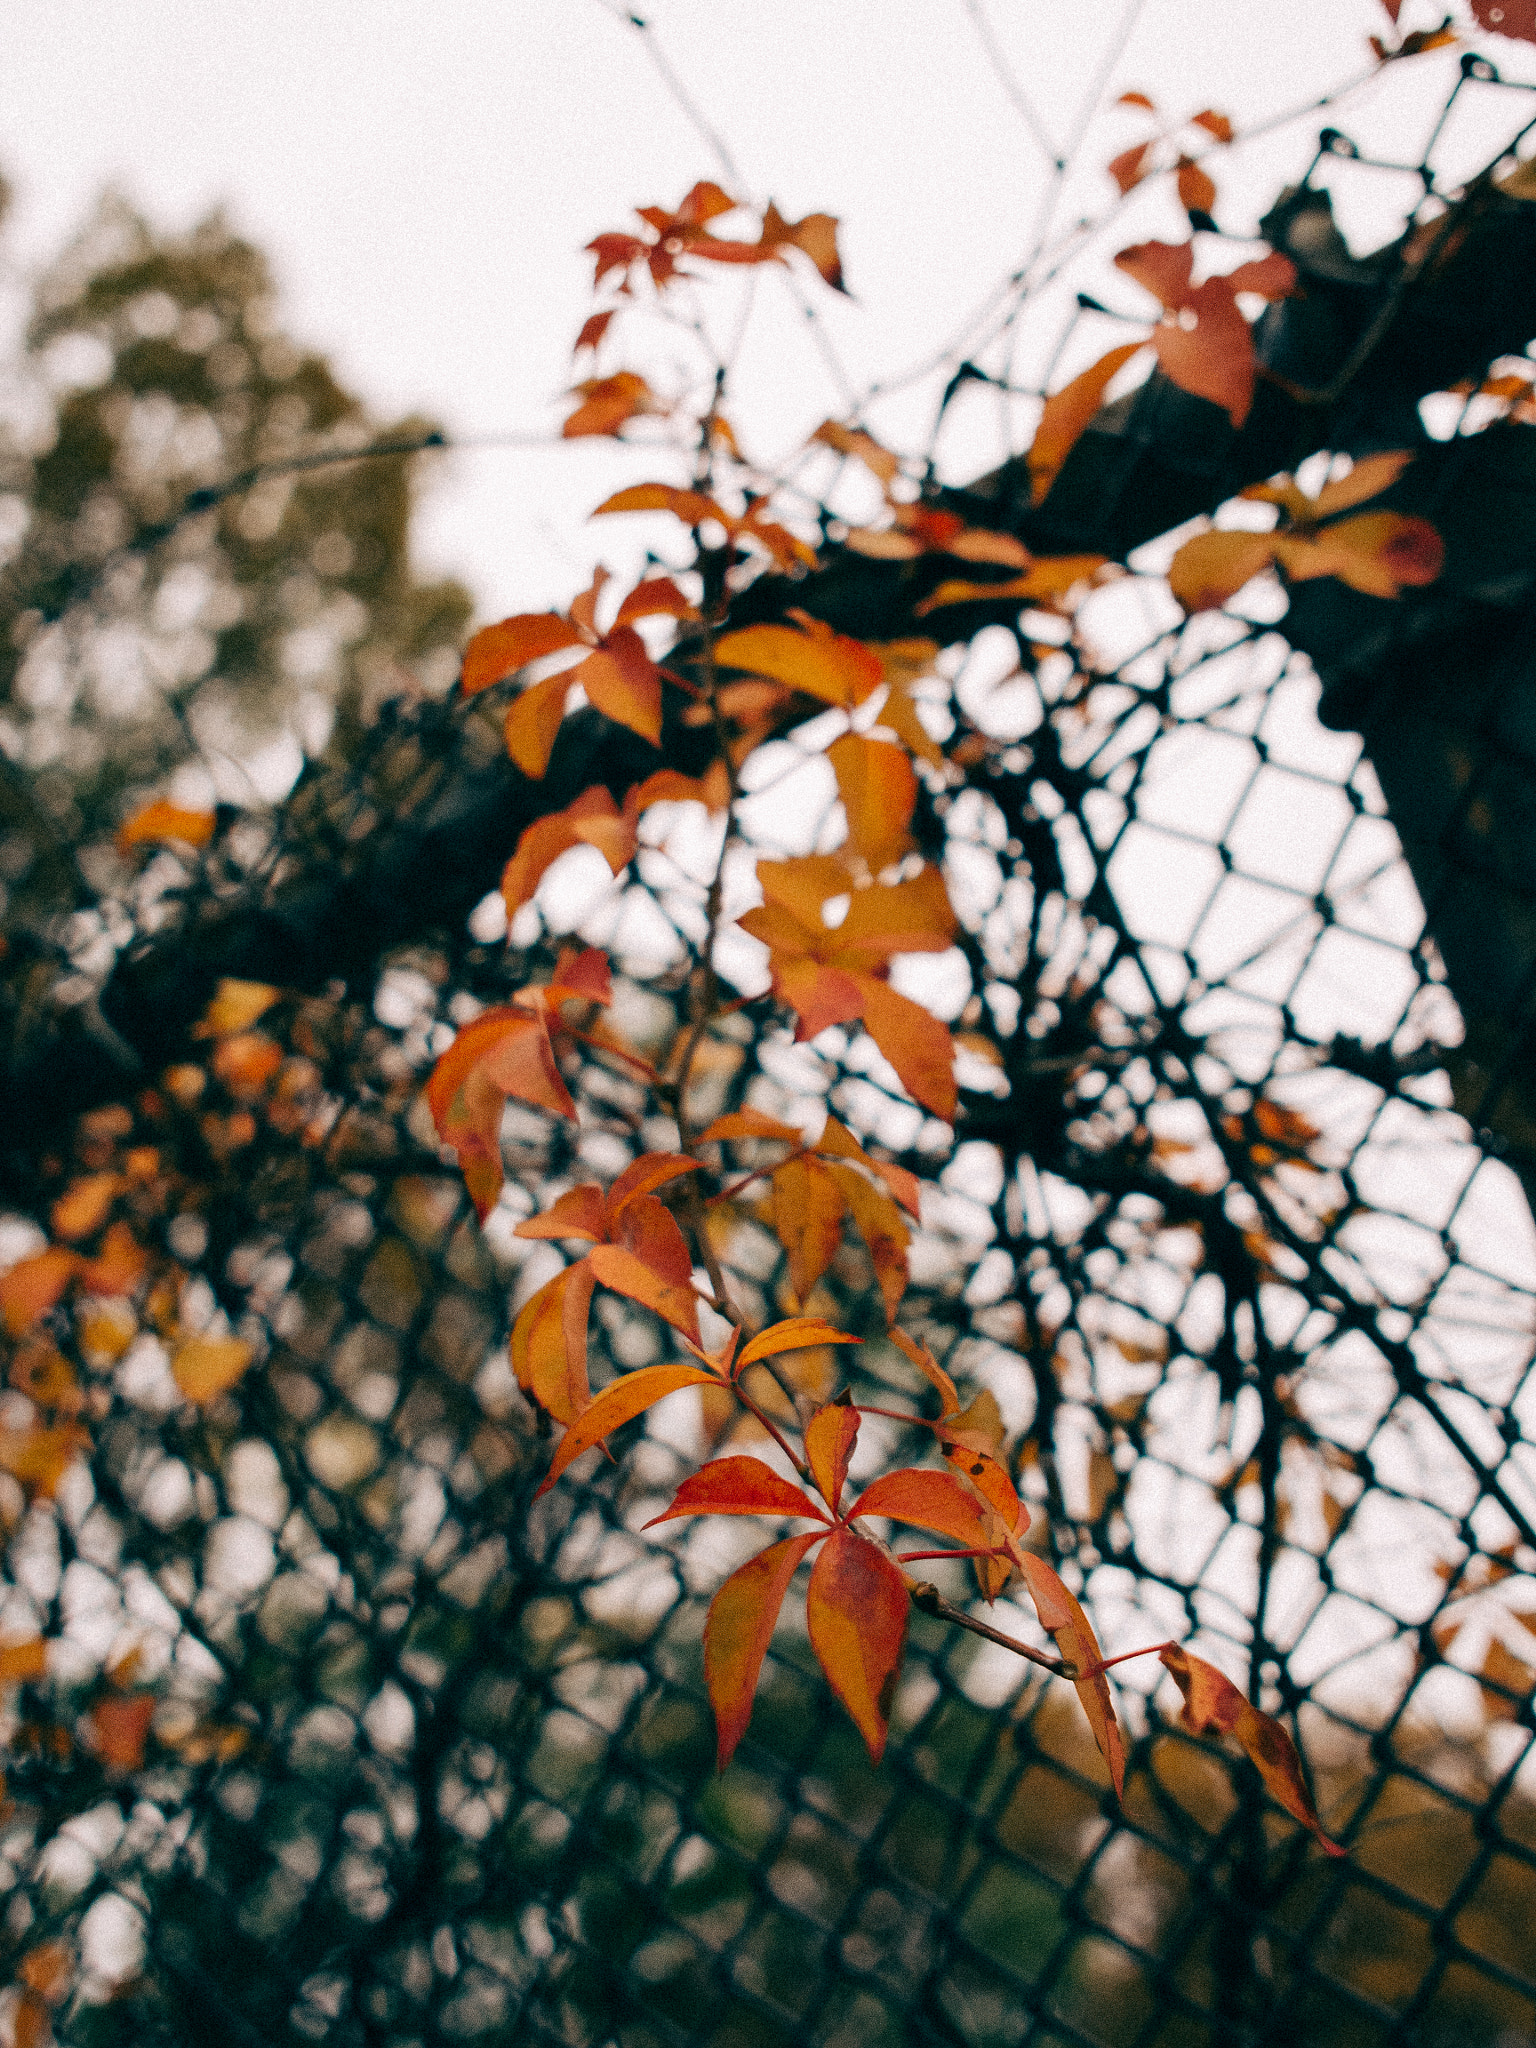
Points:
point(230, 645)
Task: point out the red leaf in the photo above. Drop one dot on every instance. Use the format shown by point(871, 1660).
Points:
point(1211, 1700)
point(504, 1052)
point(737, 1632)
point(926, 1500)
point(621, 1402)
point(1197, 192)
point(1514, 18)
point(1062, 1618)
point(830, 1436)
point(738, 1486)
point(856, 1609)
point(593, 330)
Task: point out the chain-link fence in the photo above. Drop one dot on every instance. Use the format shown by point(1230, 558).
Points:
point(340, 1736)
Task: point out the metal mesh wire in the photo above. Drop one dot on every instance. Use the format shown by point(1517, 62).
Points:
point(430, 1762)
point(346, 1739)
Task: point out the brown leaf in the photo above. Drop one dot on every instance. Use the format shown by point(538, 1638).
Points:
point(1211, 1700)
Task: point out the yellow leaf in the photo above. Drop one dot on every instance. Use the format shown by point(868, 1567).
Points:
point(205, 1367)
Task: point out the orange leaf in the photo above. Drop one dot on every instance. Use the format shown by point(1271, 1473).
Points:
point(1067, 413)
point(165, 821)
point(838, 1142)
point(796, 1333)
point(1213, 124)
point(1045, 582)
point(878, 789)
point(21, 1662)
point(594, 819)
point(856, 1610)
point(549, 1343)
point(628, 1273)
point(623, 682)
point(607, 402)
point(506, 1051)
point(737, 1633)
point(39, 1458)
point(620, 1402)
point(1379, 553)
point(1137, 99)
point(246, 1063)
point(1212, 568)
point(1370, 476)
point(751, 1123)
point(829, 1439)
point(811, 658)
point(533, 721)
point(692, 507)
point(1130, 166)
point(651, 1171)
point(930, 1368)
point(863, 447)
point(236, 1006)
point(807, 1220)
point(32, 1286)
point(1197, 192)
point(85, 1205)
point(878, 1222)
point(579, 1212)
point(815, 237)
point(46, 1970)
point(1211, 1700)
point(119, 1265)
point(205, 1367)
point(499, 651)
point(669, 786)
point(653, 599)
point(738, 1486)
point(1064, 1620)
point(917, 1045)
point(926, 1500)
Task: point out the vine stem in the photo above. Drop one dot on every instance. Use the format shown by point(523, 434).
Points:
point(928, 1599)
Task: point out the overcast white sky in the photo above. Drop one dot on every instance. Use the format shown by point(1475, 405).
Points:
point(423, 179)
